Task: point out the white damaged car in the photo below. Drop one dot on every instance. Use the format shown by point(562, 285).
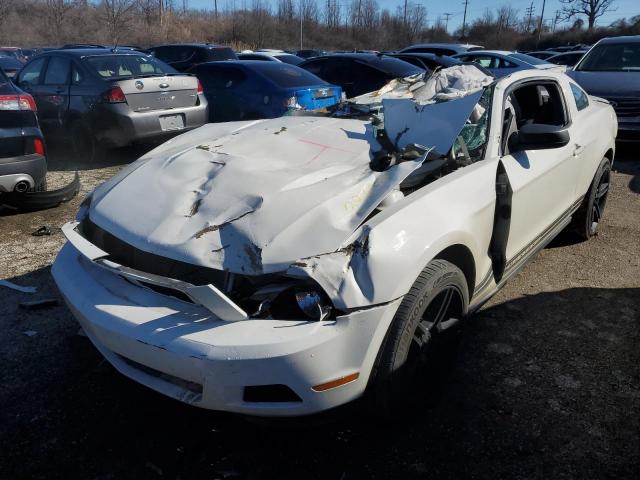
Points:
point(285, 266)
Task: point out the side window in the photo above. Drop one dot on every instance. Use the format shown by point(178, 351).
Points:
point(31, 73)
point(315, 67)
point(221, 78)
point(484, 60)
point(581, 98)
point(338, 71)
point(471, 144)
point(185, 54)
point(368, 79)
point(57, 71)
point(503, 63)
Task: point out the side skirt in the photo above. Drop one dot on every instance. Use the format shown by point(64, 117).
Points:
point(489, 287)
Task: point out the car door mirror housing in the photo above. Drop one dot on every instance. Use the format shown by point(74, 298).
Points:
point(539, 136)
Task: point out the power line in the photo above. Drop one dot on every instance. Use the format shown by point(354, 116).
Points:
point(464, 19)
point(529, 11)
point(446, 21)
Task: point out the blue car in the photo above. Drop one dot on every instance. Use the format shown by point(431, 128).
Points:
point(249, 90)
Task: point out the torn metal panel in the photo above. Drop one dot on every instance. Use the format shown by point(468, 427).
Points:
point(445, 84)
point(30, 201)
point(436, 125)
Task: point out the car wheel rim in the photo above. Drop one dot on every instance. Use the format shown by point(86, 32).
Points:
point(599, 201)
point(444, 310)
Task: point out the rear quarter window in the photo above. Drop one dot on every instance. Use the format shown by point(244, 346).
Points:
point(289, 76)
point(221, 53)
point(579, 95)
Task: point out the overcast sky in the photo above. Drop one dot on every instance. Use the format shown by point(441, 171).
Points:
point(435, 8)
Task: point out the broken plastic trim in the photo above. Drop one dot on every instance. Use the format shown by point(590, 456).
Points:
point(30, 201)
point(206, 295)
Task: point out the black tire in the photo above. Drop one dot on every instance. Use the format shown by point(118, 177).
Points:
point(588, 217)
point(83, 143)
point(420, 342)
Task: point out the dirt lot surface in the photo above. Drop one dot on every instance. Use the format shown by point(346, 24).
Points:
point(546, 383)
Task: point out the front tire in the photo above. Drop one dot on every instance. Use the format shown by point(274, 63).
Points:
point(588, 217)
point(421, 338)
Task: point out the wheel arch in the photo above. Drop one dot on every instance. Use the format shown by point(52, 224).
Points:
point(460, 255)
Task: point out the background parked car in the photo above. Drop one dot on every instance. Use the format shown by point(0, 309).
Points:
point(272, 57)
point(440, 48)
point(611, 69)
point(359, 73)
point(501, 63)
point(428, 61)
point(568, 58)
point(101, 97)
point(10, 65)
point(13, 52)
point(542, 54)
point(246, 89)
point(183, 56)
point(310, 53)
point(23, 165)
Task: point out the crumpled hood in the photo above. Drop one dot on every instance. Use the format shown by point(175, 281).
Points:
point(249, 197)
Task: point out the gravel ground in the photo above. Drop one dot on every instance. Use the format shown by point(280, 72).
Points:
point(546, 383)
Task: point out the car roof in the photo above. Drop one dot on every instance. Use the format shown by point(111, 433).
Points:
point(444, 45)
point(493, 52)
point(572, 52)
point(203, 45)
point(85, 52)
point(623, 39)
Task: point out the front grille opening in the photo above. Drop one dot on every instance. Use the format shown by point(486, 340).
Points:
point(169, 292)
point(269, 393)
point(192, 387)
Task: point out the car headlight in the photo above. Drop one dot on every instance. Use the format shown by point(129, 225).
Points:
point(312, 304)
point(288, 301)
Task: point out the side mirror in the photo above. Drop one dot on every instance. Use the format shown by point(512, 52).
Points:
point(539, 136)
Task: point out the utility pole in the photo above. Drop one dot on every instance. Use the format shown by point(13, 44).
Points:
point(446, 21)
point(555, 20)
point(464, 18)
point(215, 8)
point(540, 24)
point(405, 13)
point(301, 17)
point(529, 12)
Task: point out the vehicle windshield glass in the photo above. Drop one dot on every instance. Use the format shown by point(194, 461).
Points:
point(127, 66)
point(287, 76)
point(528, 58)
point(397, 68)
point(617, 57)
point(290, 59)
point(221, 53)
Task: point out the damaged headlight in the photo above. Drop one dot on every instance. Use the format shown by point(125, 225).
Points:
point(291, 301)
point(312, 304)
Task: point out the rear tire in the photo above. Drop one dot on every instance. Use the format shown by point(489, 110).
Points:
point(588, 217)
point(421, 340)
point(83, 142)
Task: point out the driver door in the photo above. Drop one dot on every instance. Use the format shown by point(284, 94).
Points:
point(542, 181)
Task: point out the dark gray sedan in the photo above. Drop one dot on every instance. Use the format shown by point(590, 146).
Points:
point(611, 70)
point(107, 97)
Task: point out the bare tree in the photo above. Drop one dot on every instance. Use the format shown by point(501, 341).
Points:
point(116, 15)
point(57, 12)
point(592, 9)
point(5, 6)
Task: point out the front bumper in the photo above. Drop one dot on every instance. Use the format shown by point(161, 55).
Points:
point(184, 351)
point(117, 125)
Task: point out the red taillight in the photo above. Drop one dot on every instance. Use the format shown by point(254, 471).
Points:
point(38, 146)
point(17, 102)
point(200, 89)
point(114, 95)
